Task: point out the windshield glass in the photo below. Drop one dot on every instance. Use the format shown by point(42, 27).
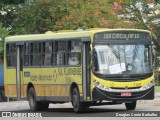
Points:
point(118, 59)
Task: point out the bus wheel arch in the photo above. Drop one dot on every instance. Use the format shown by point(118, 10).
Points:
point(73, 85)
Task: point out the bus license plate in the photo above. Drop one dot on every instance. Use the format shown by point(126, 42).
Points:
point(126, 94)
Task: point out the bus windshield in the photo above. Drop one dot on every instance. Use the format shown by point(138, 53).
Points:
point(122, 59)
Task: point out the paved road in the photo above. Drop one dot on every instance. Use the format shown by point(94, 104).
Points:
point(66, 110)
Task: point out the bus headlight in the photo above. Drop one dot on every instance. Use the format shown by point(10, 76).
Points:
point(100, 86)
point(149, 85)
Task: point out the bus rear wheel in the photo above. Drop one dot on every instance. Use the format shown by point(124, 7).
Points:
point(131, 106)
point(35, 105)
point(77, 105)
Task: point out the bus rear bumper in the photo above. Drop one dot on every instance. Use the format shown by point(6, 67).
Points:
point(99, 95)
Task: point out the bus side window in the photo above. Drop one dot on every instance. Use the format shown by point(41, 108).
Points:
point(35, 56)
point(60, 53)
point(47, 53)
point(74, 52)
point(11, 55)
point(26, 54)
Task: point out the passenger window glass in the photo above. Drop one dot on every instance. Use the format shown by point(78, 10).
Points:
point(47, 53)
point(48, 47)
point(74, 52)
point(11, 54)
point(31, 48)
point(26, 60)
point(61, 46)
point(7, 49)
point(35, 54)
point(36, 47)
point(26, 48)
point(60, 49)
point(47, 59)
point(12, 48)
point(26, 54)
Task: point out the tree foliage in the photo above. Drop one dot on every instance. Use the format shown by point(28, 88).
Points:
point(8, 2)
point(8, 15)
point(38, 17)
point(3, 33)
point(89, 14)
point(144, 14)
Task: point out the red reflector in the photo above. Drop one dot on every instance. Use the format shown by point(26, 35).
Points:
point(126, 94)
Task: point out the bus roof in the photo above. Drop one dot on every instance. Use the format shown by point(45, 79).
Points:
point(65, 34)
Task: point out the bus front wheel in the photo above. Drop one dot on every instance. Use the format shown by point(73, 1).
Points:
point(131, 106)
point(77, 105)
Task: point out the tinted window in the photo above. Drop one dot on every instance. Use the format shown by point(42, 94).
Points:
point(74, 52)
point(11, 54)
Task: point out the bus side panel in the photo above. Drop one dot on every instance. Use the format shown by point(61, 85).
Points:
point(57, 81)
point(52, 82)
point(33, 75)
point(10, 82)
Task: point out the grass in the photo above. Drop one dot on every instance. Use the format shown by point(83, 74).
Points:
point(157, 89)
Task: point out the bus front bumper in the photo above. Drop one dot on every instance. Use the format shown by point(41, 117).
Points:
point(99, 95)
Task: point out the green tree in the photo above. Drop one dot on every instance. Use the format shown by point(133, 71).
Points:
point(8, 15)
point(90, 14)
point(144, 14)
point(38, 17)
point(12, 2)
point(3, 33)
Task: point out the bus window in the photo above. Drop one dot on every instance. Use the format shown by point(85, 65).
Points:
point(74, 52)
point(47, 53)
point(26, 60)
point(7, 49)
point(11, 55)
point(60, 49)
point(26, 54)
point(35, 57)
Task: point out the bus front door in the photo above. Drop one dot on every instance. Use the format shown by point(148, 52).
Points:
point(19, 70)
point(86, 69)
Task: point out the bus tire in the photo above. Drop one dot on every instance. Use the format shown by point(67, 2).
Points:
point(34, 105)
point(2, 96)
point(131, 106)
point(77, 105)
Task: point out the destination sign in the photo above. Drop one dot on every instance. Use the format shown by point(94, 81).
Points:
point(122, 36)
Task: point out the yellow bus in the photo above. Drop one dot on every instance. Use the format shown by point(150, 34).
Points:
point(87, 68)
